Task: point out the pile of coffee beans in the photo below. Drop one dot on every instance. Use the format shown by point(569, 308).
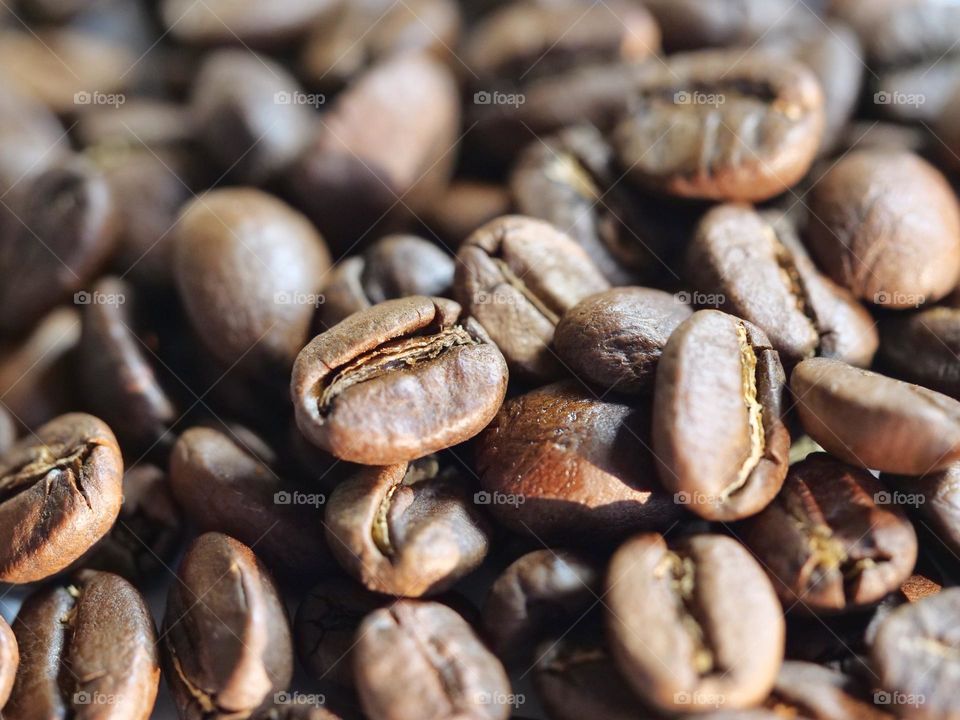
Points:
point(479, 359)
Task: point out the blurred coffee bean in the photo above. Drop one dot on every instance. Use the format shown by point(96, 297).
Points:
point(922, 346)
point(464, 206)
point(9, 661)
point(820, 693)
point(31, 139)
point(242, 22)
point(690, 24)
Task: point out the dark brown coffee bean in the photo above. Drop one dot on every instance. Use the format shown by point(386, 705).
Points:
point(723, 125)
point(829, 540)
point(116, 375)
point(87, 650)
point(689, 24)
point(914, 655)
point(718, 437)
point(58, 231)
point(224, 487)
point(694, 624)
point(922, 347)
point(886, 225)
point(326, 626)
point(421, 661)
point(537, 594)
point(406, 529)
point(559, 463)
point(251, 115)
point(614, 339)
point(896, 33)
point(937, 500)
point(570, 180)
point(65, 68)
point(226, 642)
point(946, 130)
point(9, 661)
point(466, 205)
point(398, 381)
point(249, 270)
point(60, 492)
point(356, 176)
point(874, 421)
point(755, 267)
point(248, 22)
point(517, 276)
point(820, 693)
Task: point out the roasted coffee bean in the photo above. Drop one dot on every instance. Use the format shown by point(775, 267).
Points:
point(922, 347)
point(356, 174)
point(398, 381)
point(248, 22)
point(916, 93)
point(160, 125)
point(754, 266)
point(226, 646)
point(60, 492)
point(326, 625)
point(914, 655)
point(37, 380)
point(560, 464)
point(819, 693)
point(900, 32)
point(874, 421)
point(421, 661)
point(367, 33)
point(718, 437)
point(614, 339)
point(524, 39)
point(830, 541)
point(693, 624)
point(250, 114)
point(64, 68)
point(886, 225)
point(117, 378)
point(224, 487)
point(535, 596)
point(723, 125)
point(689, 24)
point(148, 531)
point(9, 661)
point(914, 588)
point(87, 650)
point(874, 135)
point(570, 180)
point(517, 276)
point(937, 499)
point(406, 529)
point(249, 270)
point(343, 292)
point(466, 205)
point(58, 230)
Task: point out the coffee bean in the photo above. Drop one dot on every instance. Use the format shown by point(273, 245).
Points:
point(886, 225)
point(418, 660)
point(466, 205)
point(693, 624)
point(397, 382)
point(723, 125)
point(937, 498)
point(406, 529)
point(117, 377)
point(245, 23)
point(914, 655)
point(560, 464)
point(148, 531)
point(538, 593)
point(160, 125)
point(517, 276)
point(224, 487)
point(31, 138)
point(820, 693)
point(226, 642)
point(58, 231)
point(829, 540)
point(614, 339)
point(922, 346)
point(249, 114)
point(354, 176)
point(689, 24)
point(753, 265)
point(9, 661)
point(249, 270)
point(898, 33)
point(876, 135)
point(718, 437)
point(874, 421)
point(60, 492)
point(87, 649)
point(917, 93)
